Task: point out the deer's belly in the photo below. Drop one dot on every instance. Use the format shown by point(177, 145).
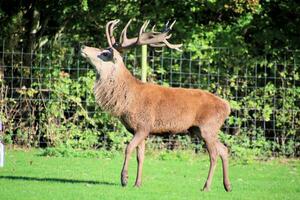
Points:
point(180, 125)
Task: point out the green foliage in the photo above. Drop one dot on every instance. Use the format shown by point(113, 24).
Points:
point(66, 118)
point(245, 149)
point(239, 23)
point(59, 110)
point(64, 151)
point(84, 5)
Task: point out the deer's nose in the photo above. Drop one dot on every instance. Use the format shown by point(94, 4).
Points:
point(82, 51)
point(78, 49)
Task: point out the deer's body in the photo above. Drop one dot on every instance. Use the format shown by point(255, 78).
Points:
point(158, 109)
point(146, 108)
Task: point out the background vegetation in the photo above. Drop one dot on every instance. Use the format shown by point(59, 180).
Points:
point(46, 95)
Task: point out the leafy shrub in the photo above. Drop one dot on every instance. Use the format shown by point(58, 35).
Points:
point(64, 151)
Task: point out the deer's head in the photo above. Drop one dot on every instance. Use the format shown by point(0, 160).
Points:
point(108, 62)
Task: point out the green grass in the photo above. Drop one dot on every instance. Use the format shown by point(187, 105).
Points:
point(27, 175)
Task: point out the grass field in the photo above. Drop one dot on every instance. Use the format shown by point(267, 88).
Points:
point(27, 175)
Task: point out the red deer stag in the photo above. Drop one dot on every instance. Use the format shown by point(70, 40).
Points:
point(146, 108)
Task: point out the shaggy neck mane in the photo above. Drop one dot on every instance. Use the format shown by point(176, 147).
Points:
point(114, 94)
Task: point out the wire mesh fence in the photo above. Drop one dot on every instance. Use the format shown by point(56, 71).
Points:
point(46, 95)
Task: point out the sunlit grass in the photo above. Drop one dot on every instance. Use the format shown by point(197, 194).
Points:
point(27, 175)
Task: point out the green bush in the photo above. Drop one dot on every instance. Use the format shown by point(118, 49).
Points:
point(64, 151)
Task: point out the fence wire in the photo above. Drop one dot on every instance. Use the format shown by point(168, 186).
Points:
point(263, 91)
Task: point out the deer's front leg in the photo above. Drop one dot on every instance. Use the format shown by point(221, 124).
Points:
point(140, 155)
point(137, 139)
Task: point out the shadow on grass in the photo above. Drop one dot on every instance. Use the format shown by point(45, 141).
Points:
point(58, 180)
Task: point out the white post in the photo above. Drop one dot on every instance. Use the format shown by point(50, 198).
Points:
point(1, 148)
point(144, 63)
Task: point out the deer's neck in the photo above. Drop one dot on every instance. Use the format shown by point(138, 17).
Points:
point(116, 94)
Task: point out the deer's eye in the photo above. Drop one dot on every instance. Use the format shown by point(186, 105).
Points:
point(105, 54)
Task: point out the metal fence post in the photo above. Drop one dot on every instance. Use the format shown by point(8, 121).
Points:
point(144, 63)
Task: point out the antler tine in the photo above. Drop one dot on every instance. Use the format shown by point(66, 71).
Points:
point(157, 45)
point(171, 26)
point(142, 30)
point(166, 29)
point(173, 46)
point(153, 27)
point(123, 36)
point(107, 32)
point(167, 24)
point(110, 26)
point(146, 25)
point(168, 36)
point(166, 43)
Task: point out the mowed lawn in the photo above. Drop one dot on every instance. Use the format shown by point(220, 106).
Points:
point(27, 175)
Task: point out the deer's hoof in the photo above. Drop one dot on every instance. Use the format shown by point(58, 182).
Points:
point(227, 187)
point(137, 184)
point(205, 188)
point(124, 179)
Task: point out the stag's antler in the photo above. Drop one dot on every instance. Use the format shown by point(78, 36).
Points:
point(110, 27)
point(153, 38)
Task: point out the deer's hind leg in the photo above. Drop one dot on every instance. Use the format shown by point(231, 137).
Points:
point(140, 155)
point(223, 152)
point(215, 148)
point(211, 143)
